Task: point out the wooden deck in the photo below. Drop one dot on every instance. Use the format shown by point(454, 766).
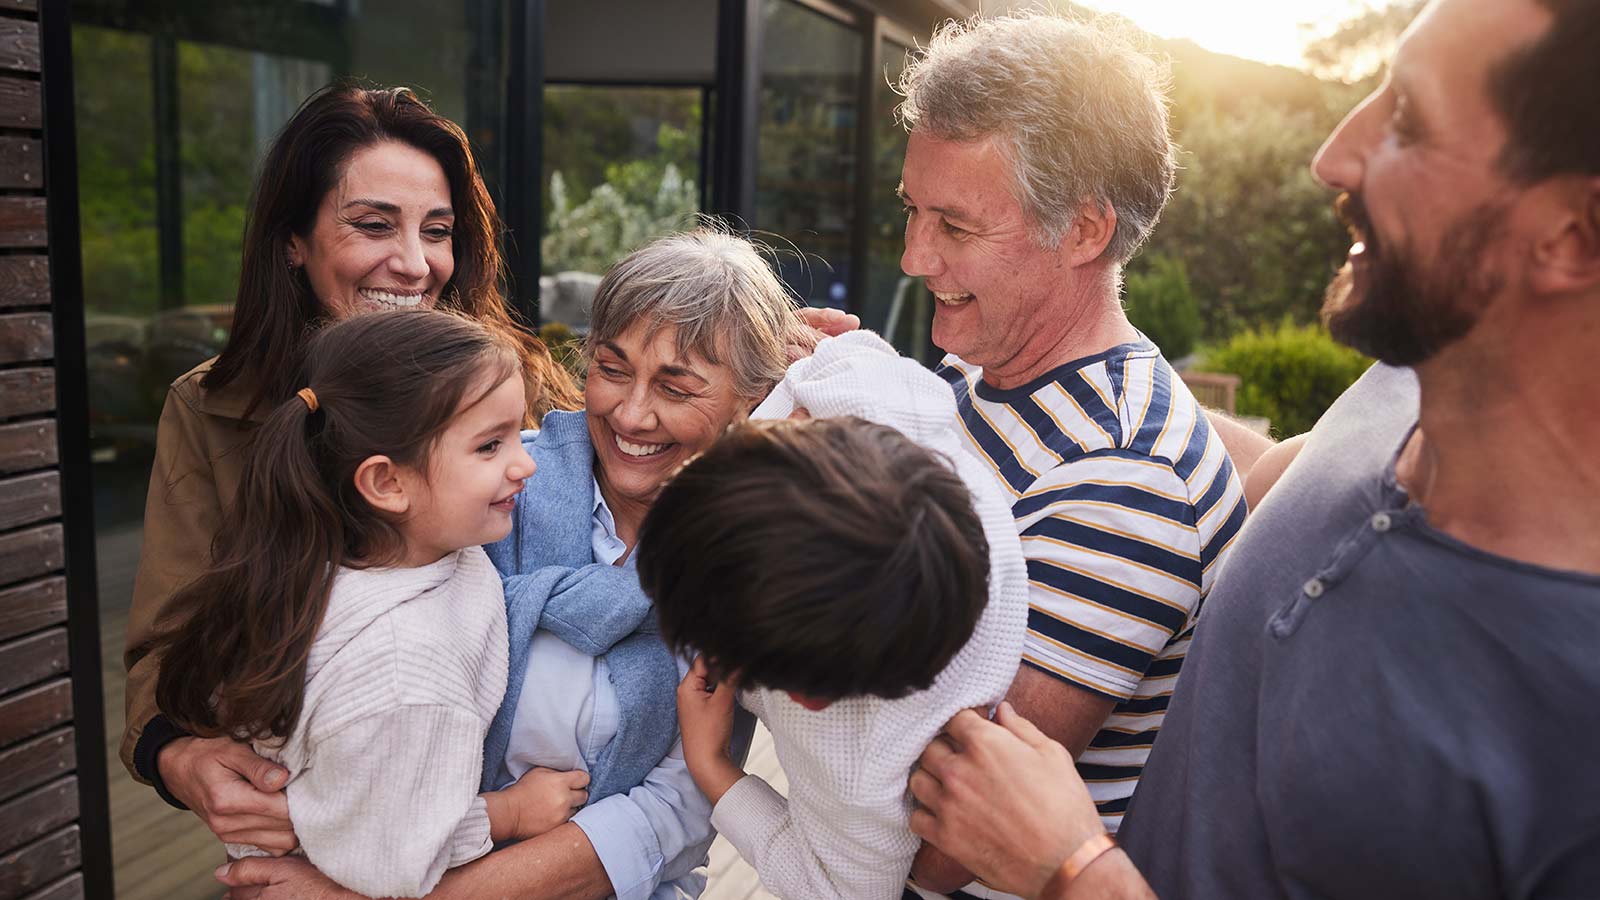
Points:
point(160, 853)
point(157, 852)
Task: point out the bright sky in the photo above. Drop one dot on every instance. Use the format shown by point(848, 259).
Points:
point(1266, 30)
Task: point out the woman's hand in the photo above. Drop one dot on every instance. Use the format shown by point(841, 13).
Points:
point(539, 801)
point(705, 716)
point(236, 793)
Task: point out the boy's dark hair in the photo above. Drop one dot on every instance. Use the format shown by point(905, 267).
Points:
point(829, 557)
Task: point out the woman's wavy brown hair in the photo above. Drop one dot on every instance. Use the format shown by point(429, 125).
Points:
point(275, 307)
point(234, 643)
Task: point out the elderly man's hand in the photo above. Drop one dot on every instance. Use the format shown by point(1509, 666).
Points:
point(261, 878)
point(1003, 800)
point(236, 793)
point(820, 323)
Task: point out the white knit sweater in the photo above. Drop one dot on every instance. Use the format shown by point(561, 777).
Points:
point(404, 677)
point(843, 831)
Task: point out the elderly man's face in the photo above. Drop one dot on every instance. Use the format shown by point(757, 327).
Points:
point(1432, 218)
point(967, 235)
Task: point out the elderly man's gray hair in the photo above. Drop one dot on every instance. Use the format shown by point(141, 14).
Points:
point(1077, 108)
point(716, 290)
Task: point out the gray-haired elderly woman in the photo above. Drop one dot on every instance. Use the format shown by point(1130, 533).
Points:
point(687, 334)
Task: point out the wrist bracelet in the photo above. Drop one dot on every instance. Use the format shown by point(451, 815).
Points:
point(1081, 858)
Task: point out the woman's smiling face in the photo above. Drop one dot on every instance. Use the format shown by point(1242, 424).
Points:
point(382, 238)
point(650, 410)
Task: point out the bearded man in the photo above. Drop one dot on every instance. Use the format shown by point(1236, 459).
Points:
point(1391, 690)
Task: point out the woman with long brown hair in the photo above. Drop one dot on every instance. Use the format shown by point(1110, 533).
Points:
point(366, 200)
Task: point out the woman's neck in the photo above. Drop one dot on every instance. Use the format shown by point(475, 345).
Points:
point(627, 513)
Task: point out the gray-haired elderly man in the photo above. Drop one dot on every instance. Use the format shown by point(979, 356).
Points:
point(1039, 159)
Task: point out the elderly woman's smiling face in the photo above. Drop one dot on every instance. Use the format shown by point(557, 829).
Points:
point(650, 410)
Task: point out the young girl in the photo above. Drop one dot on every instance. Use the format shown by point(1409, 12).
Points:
point(352, 628)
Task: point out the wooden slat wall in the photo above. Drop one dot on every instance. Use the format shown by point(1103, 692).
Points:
point(41, 854)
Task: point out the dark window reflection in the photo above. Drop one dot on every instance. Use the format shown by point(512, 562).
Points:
point(805, 172)
point(621, 166)
point(896, 305)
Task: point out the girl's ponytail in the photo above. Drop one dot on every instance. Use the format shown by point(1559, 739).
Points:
point(234, 643)
point(234, 661)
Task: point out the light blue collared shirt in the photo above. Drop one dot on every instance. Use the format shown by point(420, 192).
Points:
point(653, 840)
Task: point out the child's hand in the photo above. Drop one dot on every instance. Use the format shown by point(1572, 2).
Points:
point(539, 801)
point(705, 716)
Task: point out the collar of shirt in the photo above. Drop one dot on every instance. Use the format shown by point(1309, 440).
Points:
point(608, 548)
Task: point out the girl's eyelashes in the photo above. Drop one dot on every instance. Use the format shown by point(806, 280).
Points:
point(490, 447)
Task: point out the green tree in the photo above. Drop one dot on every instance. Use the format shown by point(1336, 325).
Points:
point(1161, 304)
point(1357, 49)
point(1253, 229)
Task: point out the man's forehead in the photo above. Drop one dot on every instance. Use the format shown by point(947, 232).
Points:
point(972, 176)
point(1453, 44)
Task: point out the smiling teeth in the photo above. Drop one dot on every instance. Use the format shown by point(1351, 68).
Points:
point(393, 300)
point(951, 299)
point(633, 449)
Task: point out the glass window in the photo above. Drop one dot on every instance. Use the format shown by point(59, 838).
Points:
point(621, 166)
point(896, 305)
point(806, 147)
point(173, 115)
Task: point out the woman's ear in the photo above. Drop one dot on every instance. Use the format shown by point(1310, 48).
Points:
point(295, 252)
point(379, 481)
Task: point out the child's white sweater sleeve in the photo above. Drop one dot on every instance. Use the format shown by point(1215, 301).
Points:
point(390, 801)
point(847, 865)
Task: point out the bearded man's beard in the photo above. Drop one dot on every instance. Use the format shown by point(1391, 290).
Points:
point(1407, 313)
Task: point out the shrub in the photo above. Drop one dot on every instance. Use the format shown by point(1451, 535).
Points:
point(1161, 304)
point(1290, 374)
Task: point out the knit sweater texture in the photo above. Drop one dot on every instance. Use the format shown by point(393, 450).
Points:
point(404, 676)
point(843, 832)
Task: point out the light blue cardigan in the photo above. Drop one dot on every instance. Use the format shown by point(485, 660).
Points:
point(552, 582)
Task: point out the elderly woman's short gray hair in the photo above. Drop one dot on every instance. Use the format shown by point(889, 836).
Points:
point(1077, 108)
point(719, 294)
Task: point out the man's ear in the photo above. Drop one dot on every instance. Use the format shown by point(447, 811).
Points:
point(1567, 256)
point(1093, 229)
point(379, 481)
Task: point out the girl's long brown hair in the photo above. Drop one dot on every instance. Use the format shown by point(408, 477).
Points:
point(275, 306)
point(234, 643)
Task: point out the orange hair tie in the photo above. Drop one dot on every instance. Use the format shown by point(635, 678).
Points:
point(309, 396)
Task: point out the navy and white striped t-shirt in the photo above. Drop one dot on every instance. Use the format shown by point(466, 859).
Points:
point(1125, 501)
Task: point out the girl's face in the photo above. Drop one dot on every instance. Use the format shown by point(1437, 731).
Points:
point(474, 474)
point(651, 410)
point(382, 238)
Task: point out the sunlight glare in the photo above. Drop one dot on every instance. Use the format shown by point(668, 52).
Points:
point(1270, 31)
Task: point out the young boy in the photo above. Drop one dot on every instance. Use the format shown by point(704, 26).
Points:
point(860, 581)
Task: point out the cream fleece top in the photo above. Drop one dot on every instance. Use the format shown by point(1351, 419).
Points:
point(843, 832)
point(404, 677)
